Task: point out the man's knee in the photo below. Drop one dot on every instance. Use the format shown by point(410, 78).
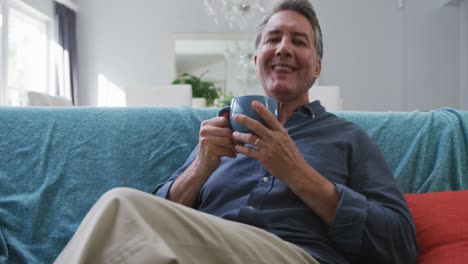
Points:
point(127, 195)
point(118, 193)
point(121, 194)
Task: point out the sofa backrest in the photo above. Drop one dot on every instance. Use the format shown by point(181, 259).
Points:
point(427, 151)
point(56, 162)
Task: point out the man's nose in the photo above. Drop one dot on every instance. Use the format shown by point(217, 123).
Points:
point(284, 48)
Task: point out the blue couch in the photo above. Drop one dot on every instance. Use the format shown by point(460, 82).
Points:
point(56, 162)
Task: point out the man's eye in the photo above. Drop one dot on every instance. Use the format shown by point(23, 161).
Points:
point(299, 42)
point(272, 40)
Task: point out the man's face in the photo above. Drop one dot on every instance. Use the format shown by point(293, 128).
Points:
point(286, 59)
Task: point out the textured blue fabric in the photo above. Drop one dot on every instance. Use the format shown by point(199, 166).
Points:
point(427, 151)
point(56, 162)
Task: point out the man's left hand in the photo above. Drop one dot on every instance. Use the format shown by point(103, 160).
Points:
point(274, 147)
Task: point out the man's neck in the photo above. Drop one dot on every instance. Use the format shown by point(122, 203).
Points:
point(285, 110)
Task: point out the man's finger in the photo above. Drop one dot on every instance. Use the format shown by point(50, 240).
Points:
point(270, 120)
point(252, 124)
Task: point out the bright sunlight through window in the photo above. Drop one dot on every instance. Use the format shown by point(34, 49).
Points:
point(27, 57)
point(109, 94)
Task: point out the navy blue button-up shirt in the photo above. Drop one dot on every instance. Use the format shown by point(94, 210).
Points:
point(372, 223)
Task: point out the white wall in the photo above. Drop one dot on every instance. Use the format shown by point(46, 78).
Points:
point(464, 55)
point(44, 6)
point(129, 41)
point(390, 58)
point(363, 46)
point(382, 57)
point(433, 51)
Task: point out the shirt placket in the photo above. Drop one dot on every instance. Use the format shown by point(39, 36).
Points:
point(248, 212)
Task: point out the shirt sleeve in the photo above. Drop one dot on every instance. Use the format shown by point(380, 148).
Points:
point(162, 189)
point(372, 223)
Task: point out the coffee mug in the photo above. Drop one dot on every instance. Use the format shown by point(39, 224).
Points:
point(243, 105)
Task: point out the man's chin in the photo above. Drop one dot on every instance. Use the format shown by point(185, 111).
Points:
point(281, 95)
point(280, 89)
point(286, 93)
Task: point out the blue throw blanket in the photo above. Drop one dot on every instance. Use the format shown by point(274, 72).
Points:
point(56, 162)
point(427, 151)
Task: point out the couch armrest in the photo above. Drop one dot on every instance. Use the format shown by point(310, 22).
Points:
point(441, 220)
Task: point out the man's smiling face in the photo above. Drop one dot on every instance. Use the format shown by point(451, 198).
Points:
point(286, 58)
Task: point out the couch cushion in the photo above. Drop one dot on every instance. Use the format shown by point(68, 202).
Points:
point(441, 220)
point(56, 162)
point(421, 148)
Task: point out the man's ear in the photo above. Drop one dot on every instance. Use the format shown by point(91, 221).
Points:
point(318, 68)
point(255, 60)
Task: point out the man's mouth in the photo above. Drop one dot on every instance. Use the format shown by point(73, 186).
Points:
point(282, 68)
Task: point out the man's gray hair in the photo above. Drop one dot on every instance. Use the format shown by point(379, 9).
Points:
point(303, 7)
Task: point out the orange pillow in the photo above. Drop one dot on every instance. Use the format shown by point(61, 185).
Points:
point(441, 220)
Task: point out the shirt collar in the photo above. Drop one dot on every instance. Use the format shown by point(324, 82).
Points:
point(312, 109)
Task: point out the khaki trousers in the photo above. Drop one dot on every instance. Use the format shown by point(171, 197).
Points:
point(130, 226)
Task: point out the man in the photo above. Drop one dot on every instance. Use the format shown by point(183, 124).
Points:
point(315, 189)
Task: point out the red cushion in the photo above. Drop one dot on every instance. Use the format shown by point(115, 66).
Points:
point(441, 220)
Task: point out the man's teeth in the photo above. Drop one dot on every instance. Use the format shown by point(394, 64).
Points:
point(282, 68)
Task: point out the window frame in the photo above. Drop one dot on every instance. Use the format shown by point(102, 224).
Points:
point(31, 12)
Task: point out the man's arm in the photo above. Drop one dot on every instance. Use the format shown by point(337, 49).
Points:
point(186, 187)
point(368, 217)
point(215, 142)
point(373, 222)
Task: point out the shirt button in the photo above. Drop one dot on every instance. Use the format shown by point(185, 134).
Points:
point(265, 179)
point(250, 207)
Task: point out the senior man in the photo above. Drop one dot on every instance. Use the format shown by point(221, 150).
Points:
point(316, 188)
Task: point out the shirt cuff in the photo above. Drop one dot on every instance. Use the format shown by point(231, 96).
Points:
point(162, 189)
point(350, 217)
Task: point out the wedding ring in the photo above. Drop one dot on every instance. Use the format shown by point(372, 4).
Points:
point(256, 141)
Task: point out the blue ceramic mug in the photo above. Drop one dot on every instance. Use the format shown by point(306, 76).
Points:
point(243, 105)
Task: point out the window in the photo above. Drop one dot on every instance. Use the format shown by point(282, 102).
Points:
point(25, 52)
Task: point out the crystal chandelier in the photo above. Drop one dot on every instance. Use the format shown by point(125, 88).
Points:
point(238, 14)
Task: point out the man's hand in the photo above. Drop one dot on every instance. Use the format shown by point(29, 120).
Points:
point(280, 156)
point(215, 142)
point(275, 148)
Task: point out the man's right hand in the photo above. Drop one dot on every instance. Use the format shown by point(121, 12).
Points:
point(215, 142)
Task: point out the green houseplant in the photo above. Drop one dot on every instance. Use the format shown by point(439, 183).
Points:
point(200, 87)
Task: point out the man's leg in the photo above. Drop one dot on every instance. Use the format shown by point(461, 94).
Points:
point(130, 226)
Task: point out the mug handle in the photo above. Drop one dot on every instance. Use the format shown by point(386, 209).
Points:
point(225, 112)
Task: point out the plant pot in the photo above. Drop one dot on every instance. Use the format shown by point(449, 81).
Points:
point(198, 102)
